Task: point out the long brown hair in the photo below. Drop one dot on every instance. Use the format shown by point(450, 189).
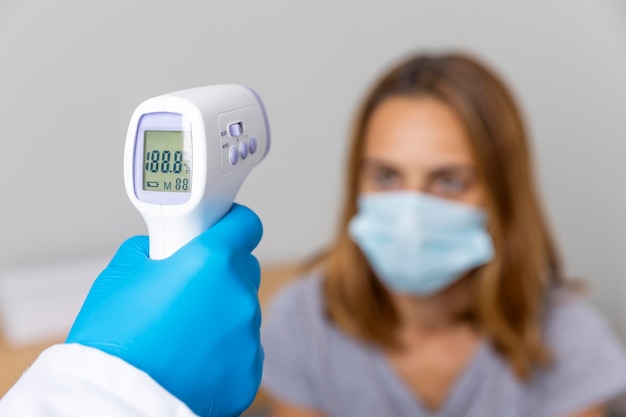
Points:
point(510, 289)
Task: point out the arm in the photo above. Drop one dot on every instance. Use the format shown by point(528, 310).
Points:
point(74, 380)
point(186, 327)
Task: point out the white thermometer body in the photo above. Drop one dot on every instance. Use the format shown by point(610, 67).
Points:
point(187, 154)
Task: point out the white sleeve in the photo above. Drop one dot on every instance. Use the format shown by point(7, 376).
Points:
point(72, 380)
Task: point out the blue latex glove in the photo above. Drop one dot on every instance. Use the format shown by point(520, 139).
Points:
point(190, 321)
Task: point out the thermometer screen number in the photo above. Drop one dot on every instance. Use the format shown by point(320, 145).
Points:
point(157, 161)
point(166, 163)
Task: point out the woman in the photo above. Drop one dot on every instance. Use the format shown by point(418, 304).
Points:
point(443, 293)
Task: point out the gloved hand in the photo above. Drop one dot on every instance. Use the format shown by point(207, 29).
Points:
point(190, 321)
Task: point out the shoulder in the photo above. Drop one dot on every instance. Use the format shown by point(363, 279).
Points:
point(295, 320)
point(293, 329)
point(300, 299)
point(588, 365)
point(570, 317)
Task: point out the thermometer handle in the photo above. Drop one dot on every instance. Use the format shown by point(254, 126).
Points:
point(167, 235)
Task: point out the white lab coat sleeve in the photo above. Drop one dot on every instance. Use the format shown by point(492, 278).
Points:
point(72, 380)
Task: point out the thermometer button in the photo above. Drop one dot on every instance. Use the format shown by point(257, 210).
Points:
point(235, 129)
point(233, 155)
point(253, 144)
point(243, 150)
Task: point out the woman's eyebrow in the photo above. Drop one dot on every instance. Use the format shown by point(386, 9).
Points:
point(455, 169)
point(379, 164)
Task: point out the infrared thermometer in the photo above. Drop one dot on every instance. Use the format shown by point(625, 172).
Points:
point(187, 154)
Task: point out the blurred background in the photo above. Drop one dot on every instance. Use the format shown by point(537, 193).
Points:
point(72, 72)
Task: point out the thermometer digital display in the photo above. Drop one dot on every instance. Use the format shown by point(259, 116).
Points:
point(187, 154)
point(167, 161)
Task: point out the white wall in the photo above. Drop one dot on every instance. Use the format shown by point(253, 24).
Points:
point(72, 71)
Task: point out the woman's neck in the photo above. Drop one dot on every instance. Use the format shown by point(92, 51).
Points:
point(438, 313)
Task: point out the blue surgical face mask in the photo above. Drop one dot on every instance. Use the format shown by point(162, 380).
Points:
point(419, 244)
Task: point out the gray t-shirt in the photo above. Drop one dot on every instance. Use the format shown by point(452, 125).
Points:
point(310, 363)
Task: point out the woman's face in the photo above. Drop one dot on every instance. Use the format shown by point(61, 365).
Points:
point(419, 144)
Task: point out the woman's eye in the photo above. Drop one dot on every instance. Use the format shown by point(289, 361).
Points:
point(382, 179)
point(449, 186)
